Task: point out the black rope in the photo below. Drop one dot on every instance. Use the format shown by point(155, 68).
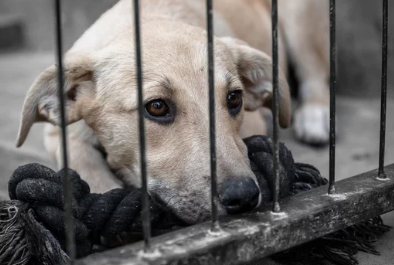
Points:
point(338, 247)
point(32, 229)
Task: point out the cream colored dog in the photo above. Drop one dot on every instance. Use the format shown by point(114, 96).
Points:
point(101, 96)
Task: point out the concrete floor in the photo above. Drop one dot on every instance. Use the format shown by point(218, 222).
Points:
point(356, 148)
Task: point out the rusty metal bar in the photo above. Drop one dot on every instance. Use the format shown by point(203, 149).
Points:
point(275, 99)
point(69, 224)
point(331, 187)
point(146, 224)
point(382, 140)
point(305, 217)
point(212, 130)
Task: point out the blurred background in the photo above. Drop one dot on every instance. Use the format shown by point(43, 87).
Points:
point(27, 48)
point(30, 24)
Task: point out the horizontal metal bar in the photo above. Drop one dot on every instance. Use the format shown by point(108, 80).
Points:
point(304, 217)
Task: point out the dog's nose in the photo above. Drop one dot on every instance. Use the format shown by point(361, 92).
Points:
point(239, 195)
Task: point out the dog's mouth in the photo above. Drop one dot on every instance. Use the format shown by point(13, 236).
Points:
point(239, 207)
point(196, 209)
point(182, 208)
point(165, 218)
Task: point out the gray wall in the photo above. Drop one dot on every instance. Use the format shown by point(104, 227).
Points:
point(358, 35)
point(38, 18)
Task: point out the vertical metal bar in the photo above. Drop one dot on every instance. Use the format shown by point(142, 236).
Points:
point(145, 199)
point(70, 236)
point(331, 187)
point(275, 72)
point(212, 131)
point(383, 91)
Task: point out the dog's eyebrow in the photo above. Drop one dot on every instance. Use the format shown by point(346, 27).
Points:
point(160, 80)
point(230, 79)
point(166, 83)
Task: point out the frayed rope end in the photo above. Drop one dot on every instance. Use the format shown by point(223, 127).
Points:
point(339, 247)
point(13, 244)
point(23, 240)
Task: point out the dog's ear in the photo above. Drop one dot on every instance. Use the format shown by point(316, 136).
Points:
point(255, 70)
point(41, 102)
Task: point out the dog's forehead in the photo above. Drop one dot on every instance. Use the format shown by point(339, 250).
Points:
point(181, 56)
point(184, 48)
point(175, 57)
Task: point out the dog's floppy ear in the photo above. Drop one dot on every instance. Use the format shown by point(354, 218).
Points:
point(41, 102)
point(255, 70)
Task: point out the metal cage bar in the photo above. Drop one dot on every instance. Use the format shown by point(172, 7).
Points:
point(275, 109)
point(212, 120)
point(331, 187)
point(69, 223)
point(309, 215)
point(145, 198)
point(382, 140)
point(256, 235)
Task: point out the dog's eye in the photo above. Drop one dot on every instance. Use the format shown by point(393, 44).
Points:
point(234, 102)
point(157, 108)
point(160, 111)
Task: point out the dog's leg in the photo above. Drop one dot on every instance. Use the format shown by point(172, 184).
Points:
point(83, 156)
point(305, 24)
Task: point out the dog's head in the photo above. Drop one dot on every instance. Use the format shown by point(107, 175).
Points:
point(101, 89)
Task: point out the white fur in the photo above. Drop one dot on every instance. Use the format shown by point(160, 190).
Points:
point(311, 123)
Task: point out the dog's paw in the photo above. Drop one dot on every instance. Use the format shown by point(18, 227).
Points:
point(311, 124)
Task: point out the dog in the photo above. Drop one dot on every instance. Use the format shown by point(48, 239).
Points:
point(101, 97)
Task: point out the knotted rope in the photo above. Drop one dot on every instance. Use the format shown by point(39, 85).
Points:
point(32, 229)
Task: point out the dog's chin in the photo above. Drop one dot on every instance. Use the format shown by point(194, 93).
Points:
point(189, 212)
point(191, 216)
point(191, 209)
